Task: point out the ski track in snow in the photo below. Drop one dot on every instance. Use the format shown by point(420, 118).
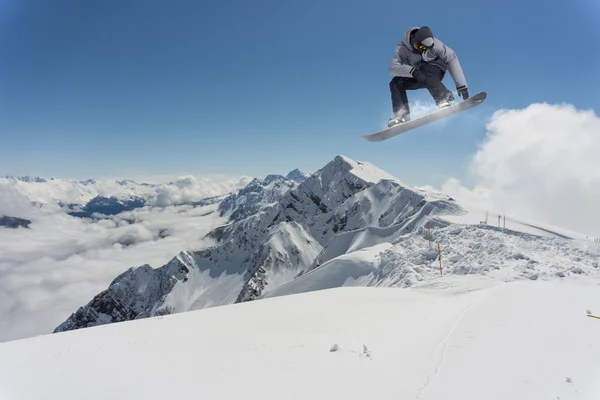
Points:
point(443, 344)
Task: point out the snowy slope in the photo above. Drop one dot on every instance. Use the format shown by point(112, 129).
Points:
point(458, 338)
point(282, 240)
point(131, 295)
point(368, 257)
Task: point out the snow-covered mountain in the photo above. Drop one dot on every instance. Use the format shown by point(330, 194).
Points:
point(106, 206)
point(259, 193)
point(297, 175)
point(347, 224)
point(271, 247)
point(26, 178)
point(388, 258)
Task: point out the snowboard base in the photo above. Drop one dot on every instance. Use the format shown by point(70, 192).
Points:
point(427, 118)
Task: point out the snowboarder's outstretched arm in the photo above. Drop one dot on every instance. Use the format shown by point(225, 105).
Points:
point(399, 66)
point(446, 54)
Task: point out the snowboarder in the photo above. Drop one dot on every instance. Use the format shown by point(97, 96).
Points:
point(421, 61)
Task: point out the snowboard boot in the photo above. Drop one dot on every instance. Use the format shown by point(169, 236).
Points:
point(446, 101)
point(398, 119)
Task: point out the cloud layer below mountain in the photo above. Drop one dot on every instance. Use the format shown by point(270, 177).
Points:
point(539, 164)
point(48, 271)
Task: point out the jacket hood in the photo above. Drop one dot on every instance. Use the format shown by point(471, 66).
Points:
point(422, 34)
point(406, 40)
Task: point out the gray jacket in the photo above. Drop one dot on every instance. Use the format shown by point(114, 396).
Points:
point(406, 57)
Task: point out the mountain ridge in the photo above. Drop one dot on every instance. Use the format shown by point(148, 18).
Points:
point(349, 223)
point(282, 229)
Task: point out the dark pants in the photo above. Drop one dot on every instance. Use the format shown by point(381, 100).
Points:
point(430, 79)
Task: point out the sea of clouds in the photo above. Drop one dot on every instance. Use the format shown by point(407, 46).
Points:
point(60, 262)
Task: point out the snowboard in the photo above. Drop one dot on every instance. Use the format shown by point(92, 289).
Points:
point(436, 115)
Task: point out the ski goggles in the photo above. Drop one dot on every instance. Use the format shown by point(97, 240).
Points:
point(419, 46)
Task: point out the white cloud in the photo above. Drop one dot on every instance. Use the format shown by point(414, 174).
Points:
point(16, 194)
point(189, 189)
point(58, 265)
point(13, 203)
point(540, 164)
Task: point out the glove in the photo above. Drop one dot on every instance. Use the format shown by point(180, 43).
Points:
point(418, 75)
point(463, 92)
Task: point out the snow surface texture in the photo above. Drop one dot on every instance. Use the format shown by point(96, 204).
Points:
point(466, 337)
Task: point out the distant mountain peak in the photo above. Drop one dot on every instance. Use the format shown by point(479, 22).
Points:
point(256, 195)
point(297, 175)
point(362, 169)
point(26, 178)
point(126, 182)
point(271, 178)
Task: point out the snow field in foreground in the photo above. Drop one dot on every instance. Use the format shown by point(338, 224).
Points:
point(456, 338)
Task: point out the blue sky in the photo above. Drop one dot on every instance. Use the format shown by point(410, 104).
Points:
point(123, 88)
